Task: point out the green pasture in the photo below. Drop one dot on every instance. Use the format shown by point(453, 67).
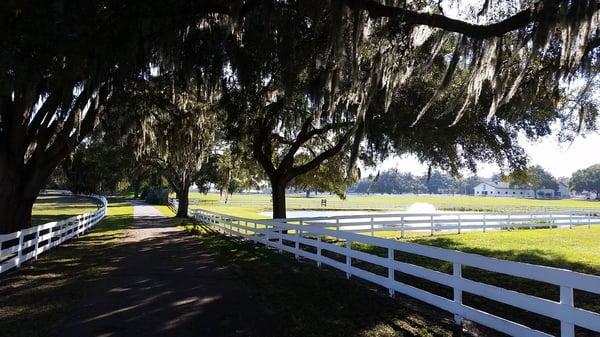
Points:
point(577, 249)
point(58, 207)
point(312, 303)
point(255, 203)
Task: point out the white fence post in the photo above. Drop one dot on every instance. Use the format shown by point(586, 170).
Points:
point(37, 242)
point(391, 271)
point(372, 227)
point(297, 243)
point(484, 223)
point(280, 239)
point(267, 237)
point(567, 329)
point(319, 255)
point(348, 257)
point(459, 223)
point(589, 219)
point(431, 219)
point(402, 227)
point(457, 274)
point(570, 219)
point(531, 221)
point(20, 248)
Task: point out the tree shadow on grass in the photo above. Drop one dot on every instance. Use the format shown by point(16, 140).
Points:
point(170, 284)
point(533, 256)
point(35, 296)
point(48, 208)
point(164, 286)
point(317, 303)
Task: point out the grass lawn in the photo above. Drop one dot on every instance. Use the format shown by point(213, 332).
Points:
point(316, 303)
point(165, 210)
point(49, 208)
point(35, 297)
point(249, 259)
point(576, 249)
point(261, 202)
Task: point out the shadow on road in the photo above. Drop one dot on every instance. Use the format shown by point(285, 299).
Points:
point(164, 283)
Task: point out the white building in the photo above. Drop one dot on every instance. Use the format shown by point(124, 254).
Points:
point(563, 191)
point(502, 189)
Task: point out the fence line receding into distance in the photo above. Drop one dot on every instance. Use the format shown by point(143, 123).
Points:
point(316, 241)
point(26, 244)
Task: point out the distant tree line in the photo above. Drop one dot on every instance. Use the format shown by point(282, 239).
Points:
point(587, 180)
point(535, 177)
point(393, 181)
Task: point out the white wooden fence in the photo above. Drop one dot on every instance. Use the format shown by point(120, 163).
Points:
point(26, 244)
point(295, 239)
point(445, 222)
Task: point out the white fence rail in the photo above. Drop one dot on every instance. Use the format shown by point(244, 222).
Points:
point(296, 239)
point(447, 222)
point(26, 244)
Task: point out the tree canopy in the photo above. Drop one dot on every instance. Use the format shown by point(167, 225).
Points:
point(587, 180)
point(305, 77)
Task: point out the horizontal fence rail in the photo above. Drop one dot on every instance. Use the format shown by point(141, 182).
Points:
point(310, 241)
point(27, 244)
point(445, 222)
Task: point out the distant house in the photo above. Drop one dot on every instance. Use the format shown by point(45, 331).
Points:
point(502, 189)
point(563, 191)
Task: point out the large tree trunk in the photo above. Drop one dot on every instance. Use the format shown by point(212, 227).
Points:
point(15, 211)
point(182, 208)
point(19, 188)
point(31, 146)
point(278, 186)
point(136, 188)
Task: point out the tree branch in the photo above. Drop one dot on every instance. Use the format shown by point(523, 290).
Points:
point(49, 107)
point(304, 136)
point(315, 162)
point(517, 21)
point(301, 138)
